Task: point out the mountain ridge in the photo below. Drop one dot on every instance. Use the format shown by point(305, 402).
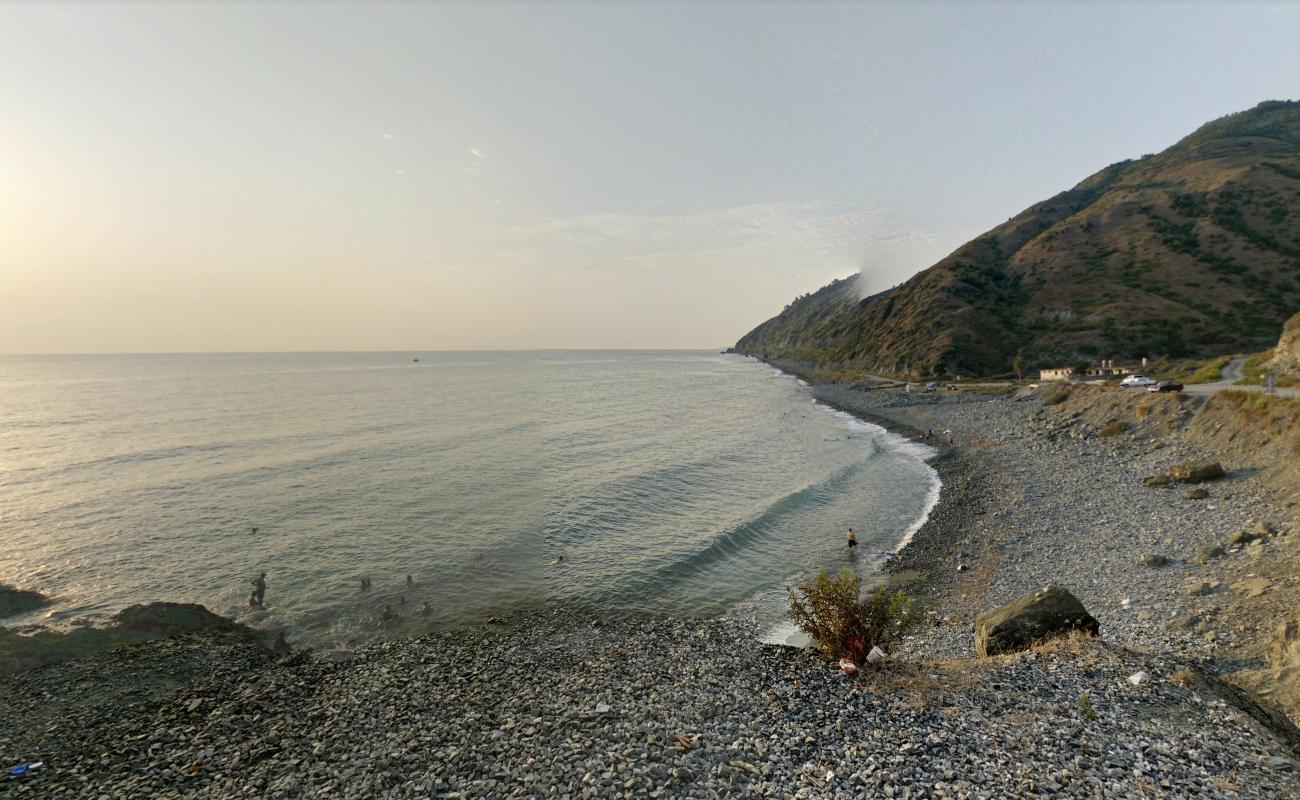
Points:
point(1193, 251)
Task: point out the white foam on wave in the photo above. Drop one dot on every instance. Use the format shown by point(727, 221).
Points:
point(910, 447)
point(931, 500)
point(786, 634)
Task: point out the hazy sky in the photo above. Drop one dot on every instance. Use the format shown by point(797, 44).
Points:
point(437, 176)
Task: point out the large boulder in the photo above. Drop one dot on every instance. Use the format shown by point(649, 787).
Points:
point(140, 623)
point(1196, 472)
point(18, 601)
point(1044, 614)
point(166, 620)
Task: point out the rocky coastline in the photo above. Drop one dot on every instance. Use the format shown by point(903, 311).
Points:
point(561, 704)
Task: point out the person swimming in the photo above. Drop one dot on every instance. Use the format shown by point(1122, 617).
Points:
point(425, 610)
point(853, 540)
point(389, 614)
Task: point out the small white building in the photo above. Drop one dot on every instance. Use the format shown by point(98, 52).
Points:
point(1060, 374)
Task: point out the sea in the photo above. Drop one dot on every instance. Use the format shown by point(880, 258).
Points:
point(463, 486)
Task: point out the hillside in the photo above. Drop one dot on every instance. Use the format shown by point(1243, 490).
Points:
point(1194, 251)
point(1286, 357)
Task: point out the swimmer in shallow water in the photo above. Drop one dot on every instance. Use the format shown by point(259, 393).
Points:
point(853, 540)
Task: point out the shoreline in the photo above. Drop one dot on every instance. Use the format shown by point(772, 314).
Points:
point(570, 703)
point(916, 565)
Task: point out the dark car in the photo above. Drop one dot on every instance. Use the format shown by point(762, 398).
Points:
point(1166, 386)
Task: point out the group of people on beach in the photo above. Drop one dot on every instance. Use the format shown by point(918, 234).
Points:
point(947, 434)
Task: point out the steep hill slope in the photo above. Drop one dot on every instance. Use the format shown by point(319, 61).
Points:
point(1286, 358)
point(1194, 251)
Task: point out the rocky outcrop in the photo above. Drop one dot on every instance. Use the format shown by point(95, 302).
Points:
point(1196, 472)
point(1038, 616)
point(1286, 357)
point(139, 623)
point(18, 601)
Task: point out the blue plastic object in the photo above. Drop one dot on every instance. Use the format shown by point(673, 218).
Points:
point(18, 771)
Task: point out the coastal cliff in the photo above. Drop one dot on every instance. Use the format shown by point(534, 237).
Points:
point(1191, 252)
point(1286, 358)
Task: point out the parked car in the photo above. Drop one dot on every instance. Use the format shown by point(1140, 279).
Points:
point(930, 387)
point(1166, 386)
point(1137, 380)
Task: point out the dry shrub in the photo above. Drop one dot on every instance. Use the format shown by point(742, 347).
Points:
point(833, 612)
point(1115, 427)
point(1056, 395)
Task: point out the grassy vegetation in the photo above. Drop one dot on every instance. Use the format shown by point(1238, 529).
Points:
point(1211, 372)
point(1259, 406)
point(1085, 705)
point(1255, 372)
point(983, 389)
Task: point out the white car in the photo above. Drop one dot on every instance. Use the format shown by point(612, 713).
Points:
point(1137, 380)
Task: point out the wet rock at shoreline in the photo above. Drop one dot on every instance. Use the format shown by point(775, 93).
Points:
point(19, 601)
point(133, 625)
point(1045, 614)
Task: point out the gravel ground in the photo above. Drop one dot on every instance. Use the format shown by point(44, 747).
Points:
point(1031, 501)
point(557, 705)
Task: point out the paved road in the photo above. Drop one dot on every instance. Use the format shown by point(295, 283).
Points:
point(1231, 374)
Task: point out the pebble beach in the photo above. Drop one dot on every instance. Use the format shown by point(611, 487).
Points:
point(555, 704)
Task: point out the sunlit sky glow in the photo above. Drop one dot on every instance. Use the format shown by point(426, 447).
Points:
point(253, 177)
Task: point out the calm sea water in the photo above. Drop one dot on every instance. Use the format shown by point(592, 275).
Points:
point(682, 483)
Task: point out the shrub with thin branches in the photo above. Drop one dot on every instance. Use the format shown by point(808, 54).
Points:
point(833, 612)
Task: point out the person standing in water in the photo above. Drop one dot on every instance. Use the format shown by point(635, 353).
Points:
point(259, 589)
point(853, 540)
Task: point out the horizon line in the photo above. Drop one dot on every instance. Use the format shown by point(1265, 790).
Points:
point(344, 352)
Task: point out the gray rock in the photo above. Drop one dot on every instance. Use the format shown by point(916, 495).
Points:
point(1207, 554)
point(1241, 538)
point(1045, 614)
point(1196, 472)
point(19, 601)
point(1157, 481)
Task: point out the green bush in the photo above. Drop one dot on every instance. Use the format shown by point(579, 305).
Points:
point(1210, 372)
point(833, 612)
